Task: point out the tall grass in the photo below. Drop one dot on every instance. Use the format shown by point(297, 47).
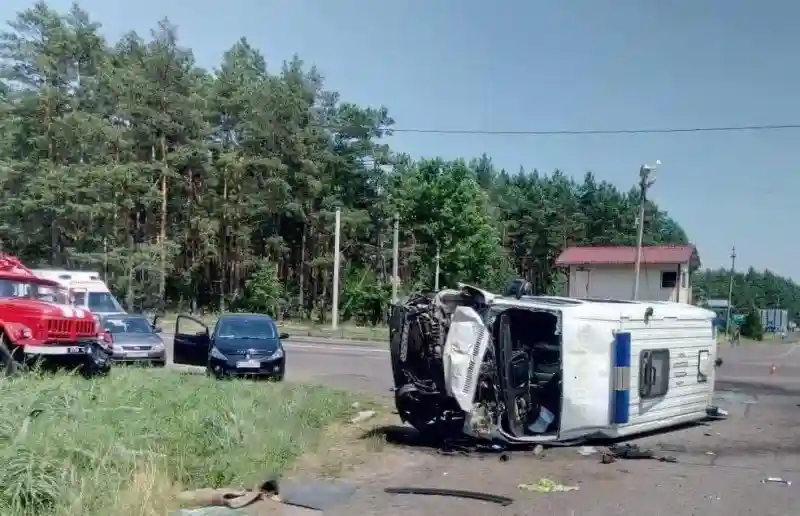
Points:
point(126, 443)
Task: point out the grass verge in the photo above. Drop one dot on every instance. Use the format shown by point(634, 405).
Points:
point(126, 444)
point(345, 331)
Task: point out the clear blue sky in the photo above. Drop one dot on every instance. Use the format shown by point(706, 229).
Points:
point(547, 64)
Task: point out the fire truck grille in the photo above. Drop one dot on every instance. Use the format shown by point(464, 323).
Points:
point(67, 328)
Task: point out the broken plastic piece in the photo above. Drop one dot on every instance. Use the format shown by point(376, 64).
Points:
point(542, 422)
point(472, 495)
point(776, 480)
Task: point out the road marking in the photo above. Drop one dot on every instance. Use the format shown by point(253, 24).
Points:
point(787, 352)
point(357, 349)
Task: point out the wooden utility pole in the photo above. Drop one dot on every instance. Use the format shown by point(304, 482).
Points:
point(730, 291)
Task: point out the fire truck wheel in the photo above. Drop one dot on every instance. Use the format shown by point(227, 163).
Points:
point(7, 362)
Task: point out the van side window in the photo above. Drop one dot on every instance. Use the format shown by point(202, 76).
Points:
point(80, 298)
point(653, 373)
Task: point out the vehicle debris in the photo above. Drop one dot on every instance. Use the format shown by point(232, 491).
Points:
point(362, 416)
point(587, 450)
point(632, 451)
point(457, 493)
point(467, 362)
point(317, 495)
point(545, 485)
point(776, 480)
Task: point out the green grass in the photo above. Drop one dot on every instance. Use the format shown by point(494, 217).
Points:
point(127, 443)
point(345, 331)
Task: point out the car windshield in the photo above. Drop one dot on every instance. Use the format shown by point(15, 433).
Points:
point(246, 328)
point(127, 325)
point(102, 302)
point(23, 289)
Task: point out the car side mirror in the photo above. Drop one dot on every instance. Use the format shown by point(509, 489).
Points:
point(157, 329)
point(283, 336)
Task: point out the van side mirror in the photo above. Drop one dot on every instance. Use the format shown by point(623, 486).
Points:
point(283, 336)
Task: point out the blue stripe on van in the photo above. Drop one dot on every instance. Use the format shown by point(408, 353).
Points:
point(620, 413)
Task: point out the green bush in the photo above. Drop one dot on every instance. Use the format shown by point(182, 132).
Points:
point(751, 327)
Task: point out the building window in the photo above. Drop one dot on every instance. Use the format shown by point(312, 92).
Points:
point(669, 279)
point(653, 373)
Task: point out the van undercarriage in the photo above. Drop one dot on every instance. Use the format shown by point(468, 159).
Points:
point(462, 366)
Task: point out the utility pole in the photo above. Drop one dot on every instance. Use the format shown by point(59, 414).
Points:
point(436, 280)
point(645, 182)
point(730, 292)
point(336, 258)
point(395, 257)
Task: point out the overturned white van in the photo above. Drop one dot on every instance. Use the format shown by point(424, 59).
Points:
point(538, 369)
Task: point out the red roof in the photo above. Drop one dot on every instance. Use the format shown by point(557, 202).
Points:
point(651, 255)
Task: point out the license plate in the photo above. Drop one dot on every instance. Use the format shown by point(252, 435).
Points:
point(136, 354)
point(248, 364)
point(76, 350)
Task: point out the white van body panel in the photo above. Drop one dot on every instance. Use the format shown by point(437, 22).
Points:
point(463, 353)
point(82, 284)
point(590, 378)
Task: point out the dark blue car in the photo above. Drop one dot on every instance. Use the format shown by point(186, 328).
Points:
point(240, 345)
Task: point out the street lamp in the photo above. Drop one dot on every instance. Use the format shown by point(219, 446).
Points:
point(645, 182)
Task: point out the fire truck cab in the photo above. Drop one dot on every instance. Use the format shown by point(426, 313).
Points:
point(37, 323)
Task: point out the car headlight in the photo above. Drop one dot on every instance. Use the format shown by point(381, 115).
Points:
point(278, 353)
point(215, 353)
point(158, 347)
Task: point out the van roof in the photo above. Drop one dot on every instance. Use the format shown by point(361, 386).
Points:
point(92, 285)
point(610, 308)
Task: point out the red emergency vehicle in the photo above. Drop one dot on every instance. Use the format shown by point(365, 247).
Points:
point(38, 323)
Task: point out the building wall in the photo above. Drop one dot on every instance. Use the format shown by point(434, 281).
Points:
point(616, 282)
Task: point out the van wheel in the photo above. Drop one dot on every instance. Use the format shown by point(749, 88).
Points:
point(7, 362)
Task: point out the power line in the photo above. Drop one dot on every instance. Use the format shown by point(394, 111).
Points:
point(565, 132)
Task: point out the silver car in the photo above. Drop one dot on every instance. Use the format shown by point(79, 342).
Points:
point(134, 339)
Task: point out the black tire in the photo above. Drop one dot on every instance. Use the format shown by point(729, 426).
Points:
point(9, 365)
point(160, 364)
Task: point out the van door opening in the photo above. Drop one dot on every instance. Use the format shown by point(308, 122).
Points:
point(529, 368)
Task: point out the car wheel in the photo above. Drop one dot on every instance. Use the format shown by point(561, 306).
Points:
point(160, 364)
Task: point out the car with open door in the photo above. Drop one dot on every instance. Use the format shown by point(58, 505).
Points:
point(239, 345)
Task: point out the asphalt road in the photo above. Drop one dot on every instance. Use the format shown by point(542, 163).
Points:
point(720, 468)
point(339, 364)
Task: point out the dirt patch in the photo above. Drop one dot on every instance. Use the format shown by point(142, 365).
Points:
point(358, 451)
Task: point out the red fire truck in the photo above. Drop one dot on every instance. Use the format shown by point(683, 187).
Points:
point(39, 324)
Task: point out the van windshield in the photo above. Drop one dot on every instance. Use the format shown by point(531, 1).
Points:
point(23, 289)
point(103, 302)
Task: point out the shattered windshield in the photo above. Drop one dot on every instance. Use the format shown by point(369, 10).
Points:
point(30, 290)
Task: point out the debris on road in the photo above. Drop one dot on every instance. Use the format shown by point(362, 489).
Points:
point(776, 480)
point(587, 450)
point(362, 416)
point(632, 451)
point(538, 450)
point(715, 412)
point(317, 495)
point(472, 495)
point(545, 485)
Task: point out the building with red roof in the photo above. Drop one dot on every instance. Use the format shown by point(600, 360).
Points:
point(607, 272)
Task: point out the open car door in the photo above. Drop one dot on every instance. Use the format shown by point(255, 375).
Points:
point(192, 342)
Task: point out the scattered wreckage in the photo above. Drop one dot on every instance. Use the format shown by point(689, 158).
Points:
point(541, 369)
